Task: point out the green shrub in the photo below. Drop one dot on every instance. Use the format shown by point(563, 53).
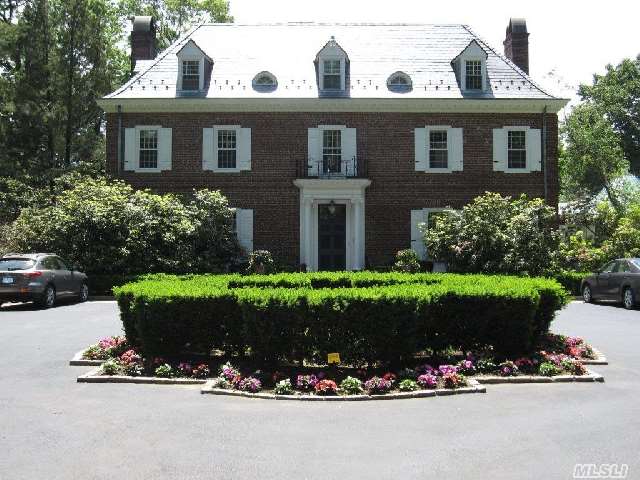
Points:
point(408, 385)
point(351, 386)
point(111, 367)
point(165, 371)
point(407, 261)
point(283, 387)
point(549, 369)
point(107, 227)
point(261, 262)
point(495, 234)
point(365, 316)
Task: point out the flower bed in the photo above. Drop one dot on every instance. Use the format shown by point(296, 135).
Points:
point(367, 317)
point(559, 358)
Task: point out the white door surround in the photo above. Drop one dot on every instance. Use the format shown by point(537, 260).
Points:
point(349, 192)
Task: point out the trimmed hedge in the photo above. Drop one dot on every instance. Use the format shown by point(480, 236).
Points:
point(571, 281)
point(103, 284)
point(365, 316)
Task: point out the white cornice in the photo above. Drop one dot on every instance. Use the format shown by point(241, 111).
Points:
point(432, 105)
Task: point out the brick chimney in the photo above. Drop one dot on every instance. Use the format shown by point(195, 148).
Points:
point(516, 43)
point(143, 40)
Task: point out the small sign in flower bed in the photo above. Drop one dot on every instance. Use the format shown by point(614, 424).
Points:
point(557, 359)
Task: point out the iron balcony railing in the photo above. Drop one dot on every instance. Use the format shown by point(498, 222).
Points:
point(332, 168)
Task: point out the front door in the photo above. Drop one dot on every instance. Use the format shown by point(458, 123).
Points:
point(332, 236)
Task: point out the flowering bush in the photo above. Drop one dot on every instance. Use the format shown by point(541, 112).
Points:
point(391, 377)
point(447, 369)
point(454, 380)
point(306, 383)
point(428, 380)
point(283, 387)
point(249, 384)
point(185, 369)
point(549, 369)
point(426, 369)
point(377, 385)
point(574, 367)
point(111, 367)
point(326, 387)
point(132, 363)
point(229, 372)
point(408, 385)
point(351, 386)
point(165, 371)
point(577, 348)
point(526, 365)
point(508, 369)
point(108, 347)
point(201, 370)
point(466, 367)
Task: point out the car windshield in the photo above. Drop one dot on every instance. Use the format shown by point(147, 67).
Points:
point(10, 264)
point(636, 262)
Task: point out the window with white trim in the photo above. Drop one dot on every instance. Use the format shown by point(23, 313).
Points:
point(438, 151)
point(473, 74)
point(227, 148)
point(399, 82)
point(331, 151)
point(332, 74)
point(516, 149)
point(148, 149)
point(190, 75)
point(265, 82)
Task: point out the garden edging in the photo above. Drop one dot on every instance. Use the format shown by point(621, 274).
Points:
point(95, 376)
point(78, 361)
point(591, 376)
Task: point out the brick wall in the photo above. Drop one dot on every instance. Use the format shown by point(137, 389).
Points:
point(385, 143)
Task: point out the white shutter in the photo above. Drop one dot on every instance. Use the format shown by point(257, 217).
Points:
point(417, 242)
point(456, 149)
point(208, 151)
point(421, 149)
point(130, 149)
point(349, 150)
point(244, 228)
point(534, 154)
point(164, 148)
point(245, 148)
point(499, 149)
point(314, 150)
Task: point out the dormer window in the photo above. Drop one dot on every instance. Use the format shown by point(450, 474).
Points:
point(473, 74)
point(471, 68)
point(190, 75)
point(331, 75)
point(399, 82)
point(193, 65)
point(332, 63)
point(265, 82)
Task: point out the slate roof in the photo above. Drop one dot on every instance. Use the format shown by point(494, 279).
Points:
point(288, 51)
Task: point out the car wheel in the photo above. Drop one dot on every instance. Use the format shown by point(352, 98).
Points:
point(628, 298)
point(586, 294)
point(48, 298)
point(84, 292)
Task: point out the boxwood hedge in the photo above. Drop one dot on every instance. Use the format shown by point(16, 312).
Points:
point(365, 316)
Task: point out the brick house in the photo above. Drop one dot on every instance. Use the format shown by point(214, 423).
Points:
point(334, 141)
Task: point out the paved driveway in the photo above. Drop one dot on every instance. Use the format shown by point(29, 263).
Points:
point(54, 428)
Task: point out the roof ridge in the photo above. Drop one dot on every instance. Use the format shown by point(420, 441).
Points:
point(183, 38)
point(518, 70)
point(329, 24)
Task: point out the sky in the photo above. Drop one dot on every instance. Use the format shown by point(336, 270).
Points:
point(573, 39)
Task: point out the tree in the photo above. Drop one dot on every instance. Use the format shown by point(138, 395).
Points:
point(617, 95)
point(593, 158)
point(495, 234)
point(174, 17)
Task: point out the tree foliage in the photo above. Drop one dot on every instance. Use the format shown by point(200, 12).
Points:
point(593, 158)
point(107, 227)
point(617, 95)
point(496, 234)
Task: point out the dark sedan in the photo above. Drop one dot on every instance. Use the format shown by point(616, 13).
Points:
point(618, 280)
point(40, 277)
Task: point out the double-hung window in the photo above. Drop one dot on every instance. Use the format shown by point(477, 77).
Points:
point(148, 151)
point(190, 75)
point(331, 151)
point(331, 75)
point(438, 153)
point(227, 148)
point(473, 75)
point(516, 149)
